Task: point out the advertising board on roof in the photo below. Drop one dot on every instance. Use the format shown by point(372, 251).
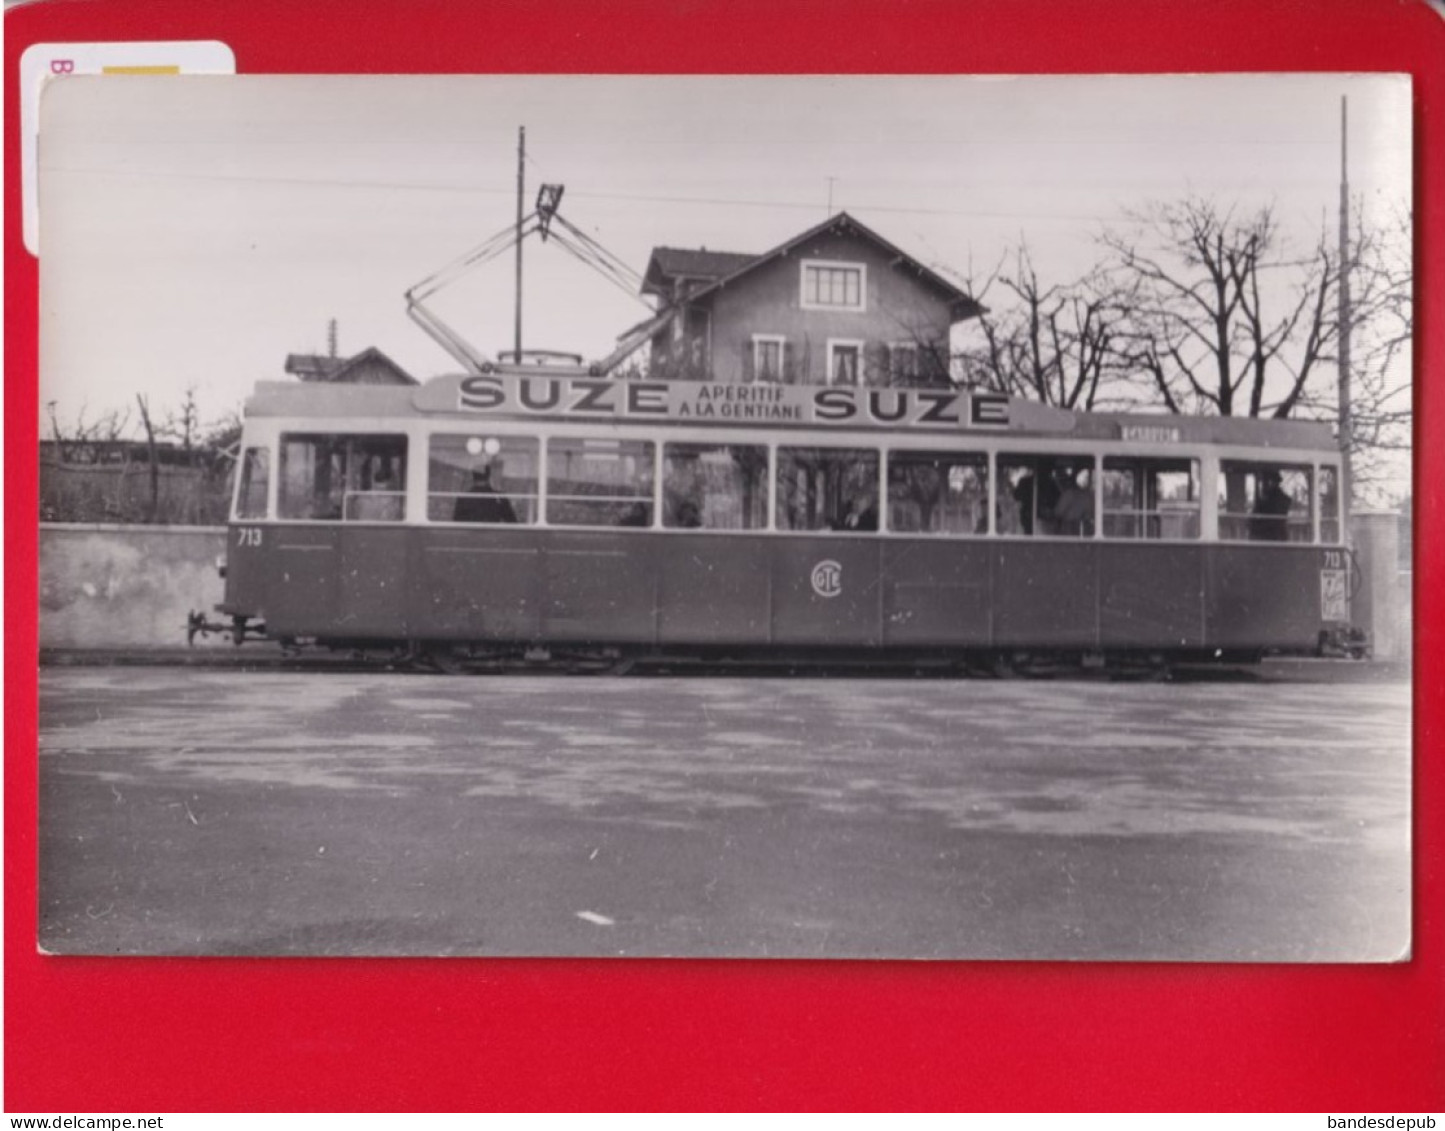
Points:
point(694, 402)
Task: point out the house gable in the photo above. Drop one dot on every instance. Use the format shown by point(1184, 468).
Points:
point(836, 303)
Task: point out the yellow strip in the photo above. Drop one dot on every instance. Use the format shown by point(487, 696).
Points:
point(160, 70)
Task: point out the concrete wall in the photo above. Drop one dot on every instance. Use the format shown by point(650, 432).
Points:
point(1383, 603)
point(125, 586)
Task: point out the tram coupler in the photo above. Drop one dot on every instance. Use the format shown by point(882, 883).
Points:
point(1345, 642)
point(240, 629)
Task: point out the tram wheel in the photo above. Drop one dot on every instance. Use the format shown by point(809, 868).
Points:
point(444, 660)
point(1004, 668)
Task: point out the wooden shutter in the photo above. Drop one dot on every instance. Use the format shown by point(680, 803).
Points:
point(873, 360)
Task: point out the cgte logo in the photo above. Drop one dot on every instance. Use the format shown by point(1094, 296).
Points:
point(827, 578)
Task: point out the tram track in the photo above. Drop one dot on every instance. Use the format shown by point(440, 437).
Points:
point(272, 658)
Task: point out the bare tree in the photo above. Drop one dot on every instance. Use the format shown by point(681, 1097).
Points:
point(1055, 343)
point(1228, 320)
point(1381, 326)
point(1224, 320)
point(155, 471)
point(79, 439)
point(184, 425)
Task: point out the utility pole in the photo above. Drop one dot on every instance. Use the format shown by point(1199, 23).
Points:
point(1345, 316)
point(521, 189)
point(830, 196)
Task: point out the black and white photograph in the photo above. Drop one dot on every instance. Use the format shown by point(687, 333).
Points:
point(867, 517)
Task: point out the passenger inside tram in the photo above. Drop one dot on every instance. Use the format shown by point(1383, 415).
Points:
point(862, 512)
point(1271, 510)
point(1074, 511)
point(1037, 485)
point(827, 489)
point(939, 493)
point(634, 515)
point(381, 498)
point(484, 503)
point(1265, 502)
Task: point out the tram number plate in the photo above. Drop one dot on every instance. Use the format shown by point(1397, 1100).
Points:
point(1334, 595)
point(248, 535)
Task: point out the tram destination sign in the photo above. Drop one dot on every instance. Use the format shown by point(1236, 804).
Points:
point(689, 402)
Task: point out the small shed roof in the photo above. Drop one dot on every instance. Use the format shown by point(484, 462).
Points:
point(668, 263)
point(343, 370)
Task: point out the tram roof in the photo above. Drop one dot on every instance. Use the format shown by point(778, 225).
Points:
point(572, 398)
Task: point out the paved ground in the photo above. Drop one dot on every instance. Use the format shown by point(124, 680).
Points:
point(205, 811)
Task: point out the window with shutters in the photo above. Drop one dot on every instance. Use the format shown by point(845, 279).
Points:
point(903, 362)
point(768, 357)
point(845, 361)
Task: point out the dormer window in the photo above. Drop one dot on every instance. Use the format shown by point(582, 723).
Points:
point(832, 285)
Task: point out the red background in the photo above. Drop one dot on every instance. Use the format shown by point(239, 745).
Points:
point(217, 1035)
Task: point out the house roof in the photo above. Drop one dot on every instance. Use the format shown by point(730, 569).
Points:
point(961, 304)
point(313, 366)
point(692, 263)
point(342, 370)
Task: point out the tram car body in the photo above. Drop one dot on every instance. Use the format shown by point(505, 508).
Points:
point(493, 515)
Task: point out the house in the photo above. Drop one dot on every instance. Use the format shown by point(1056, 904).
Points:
point(837, 304)
point(369, 367)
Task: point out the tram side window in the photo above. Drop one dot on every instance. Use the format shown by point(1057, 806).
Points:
point(1329, 504)
point(255, 483)
point(938, 492)
point(1046, 494)
point(477, 478)
point(1265, 502)
point(827, 489)
point(1151, 498)
point(715, 486)
point(343, 478)
point(599, 482)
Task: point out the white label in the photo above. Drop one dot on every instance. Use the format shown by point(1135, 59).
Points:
point(1334, 595)
point(43, 62)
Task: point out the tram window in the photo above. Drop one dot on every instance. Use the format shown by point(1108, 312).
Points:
point(1046, 494)
point(827, 489)
point(350, 478)
point(938, 492)
point(1265, 502)
point(1329, 504)
point(599, 482)
point(1151, 498)
point(715, 486)
point(473, 477)
point(255, 483)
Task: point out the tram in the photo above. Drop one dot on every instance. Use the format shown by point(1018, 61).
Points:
point(545, 514)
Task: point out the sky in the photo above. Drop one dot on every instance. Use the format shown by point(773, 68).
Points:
point(195, 230)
